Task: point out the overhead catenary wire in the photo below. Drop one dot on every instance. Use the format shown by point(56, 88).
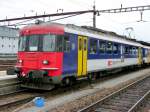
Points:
point(47, 15)
point(65, 17)
point(20, 23)
point(117, 10)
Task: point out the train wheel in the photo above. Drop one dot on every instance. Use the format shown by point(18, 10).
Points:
point(67, 81)
point(92, 76)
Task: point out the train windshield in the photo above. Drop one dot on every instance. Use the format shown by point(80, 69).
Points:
point(33, 43)
point(41, 43)
point(22, 43)
point(49, 42)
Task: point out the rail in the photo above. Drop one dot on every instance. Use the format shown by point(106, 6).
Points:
point(126, 99)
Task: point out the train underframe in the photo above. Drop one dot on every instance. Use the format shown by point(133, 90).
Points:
point(38, 79)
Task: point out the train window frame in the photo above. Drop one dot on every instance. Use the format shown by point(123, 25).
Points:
point(80, 44)
point(146, 52)
point(130, 50)
point(33, 45)
point(67, 46)
point(25, 43)
point(117, 50)
point(59, 43)
point(93, 49)
point(110, 53)
point(134, 50)
point(103, 47)
point(84, 44)
point(126, 50)
point(52, 40)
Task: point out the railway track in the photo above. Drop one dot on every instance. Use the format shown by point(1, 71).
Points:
point(18, 98)
point(127, 99)
point(11, 93)
point(14, 98)
point(21, 98)
point(145, 105)
point(9, 84)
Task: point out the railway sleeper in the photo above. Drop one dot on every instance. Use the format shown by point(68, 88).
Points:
point(134, 91)
point(114, 107)
point(136, 94)
point(104, 110)
point(126, 99)
point(144, 87)
point(122, 100)
point(119, 103)
point(130, 96)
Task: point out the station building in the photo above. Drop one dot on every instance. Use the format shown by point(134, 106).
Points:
point(8, 41)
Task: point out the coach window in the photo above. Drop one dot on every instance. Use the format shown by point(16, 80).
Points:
point(126, 50)
point(59, 43)
point(146, 52)
point(93, 46)
point(109, 48)
point(134, 51)
point(130, 50)
point(115, 49)
point(66, 44)
point(102, 47)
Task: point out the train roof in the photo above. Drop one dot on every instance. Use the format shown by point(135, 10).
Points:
point(100, 34)
point(83, 30)
point(42, 29)
point(108, 32)
point(145, 44)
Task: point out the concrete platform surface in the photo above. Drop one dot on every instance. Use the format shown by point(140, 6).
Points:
point(53, 103)
point(8, 77)
point(4, 76)
point(2, 73)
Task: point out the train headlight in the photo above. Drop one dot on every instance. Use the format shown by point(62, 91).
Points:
point(20, 61)
point(45, 62)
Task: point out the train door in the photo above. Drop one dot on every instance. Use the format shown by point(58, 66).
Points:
point(122, 52)
point(82, 56)
point(148, 56)
point(139, 55)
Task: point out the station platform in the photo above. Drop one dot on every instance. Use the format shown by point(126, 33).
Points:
point(4, 76)
point(3, 73)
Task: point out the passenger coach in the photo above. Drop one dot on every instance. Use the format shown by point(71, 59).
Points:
point(51, 53)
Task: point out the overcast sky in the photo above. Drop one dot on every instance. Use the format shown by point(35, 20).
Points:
point(112, 22)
